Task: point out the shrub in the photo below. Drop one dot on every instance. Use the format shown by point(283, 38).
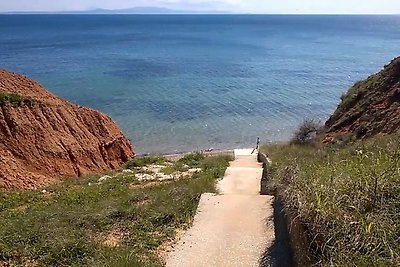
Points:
point(361, 131)
point(143, 161)
point(192, 160)
point(14, 99)
point(307, 131)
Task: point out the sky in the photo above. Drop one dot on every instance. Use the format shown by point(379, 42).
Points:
point(240, 6)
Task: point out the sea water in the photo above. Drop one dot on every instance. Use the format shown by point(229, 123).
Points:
point(179, 83)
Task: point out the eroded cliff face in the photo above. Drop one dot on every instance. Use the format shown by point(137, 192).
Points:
point(44, 138)
point(370, 107)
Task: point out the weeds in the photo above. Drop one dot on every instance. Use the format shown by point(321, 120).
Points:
point(347, 198)
point(192, 160)
point(307, 131)
point(68, 224)
point(14, 99)
point(143, 161)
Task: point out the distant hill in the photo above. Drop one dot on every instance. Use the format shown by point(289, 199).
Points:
point(370, 107)
point(135, 10)
point(151, 10)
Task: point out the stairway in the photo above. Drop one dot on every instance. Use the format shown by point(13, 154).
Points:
point(232, 228)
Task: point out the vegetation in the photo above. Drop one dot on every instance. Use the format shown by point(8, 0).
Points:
point(346, 197)
point(194, 160)
point(307, 131)
point(117, 222)
point(356, 93)
point(14, 99)
point(139, 162)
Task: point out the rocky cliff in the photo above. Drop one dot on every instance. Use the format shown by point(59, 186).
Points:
point(44, 138)
point(370, 107)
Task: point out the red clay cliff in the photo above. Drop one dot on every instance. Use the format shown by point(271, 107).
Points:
point(44, 138)
point(370, 107)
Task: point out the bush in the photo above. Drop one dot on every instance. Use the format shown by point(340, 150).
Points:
point(143, 161)
point(361, 131)
point(14, 99)
point(192, 160)
point(307, 131)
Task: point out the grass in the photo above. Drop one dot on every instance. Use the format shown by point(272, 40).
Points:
point(192, 160)
point(143, 161)
point(74, 223)
point(216, 165)
point(361, 88)
point(346, 197)
point(14, 99)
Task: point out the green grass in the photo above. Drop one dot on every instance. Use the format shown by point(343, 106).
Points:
point(14, 99)
point(347, 198)
point(192, 160)
point(69, 223)
point(214, 165)
point(143, 161)
point(175, 167)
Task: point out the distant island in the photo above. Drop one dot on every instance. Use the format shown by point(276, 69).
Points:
point(135, 10)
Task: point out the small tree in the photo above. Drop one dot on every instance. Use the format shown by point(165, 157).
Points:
point(307, 131)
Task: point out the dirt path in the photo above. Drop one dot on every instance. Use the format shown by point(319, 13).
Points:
point(233, 228)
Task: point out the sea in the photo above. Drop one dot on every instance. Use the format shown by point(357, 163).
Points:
point(178, 83)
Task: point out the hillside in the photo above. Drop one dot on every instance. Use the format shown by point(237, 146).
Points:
point(370, 107)
point(126, 218)
point(342, 198)
point(44, 138)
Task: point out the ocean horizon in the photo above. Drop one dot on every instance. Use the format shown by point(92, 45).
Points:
point(179, 83)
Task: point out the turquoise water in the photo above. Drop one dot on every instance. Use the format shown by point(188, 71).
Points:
point(189, 82)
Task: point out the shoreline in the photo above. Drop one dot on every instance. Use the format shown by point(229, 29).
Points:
point(207, 152)
point(178, 155)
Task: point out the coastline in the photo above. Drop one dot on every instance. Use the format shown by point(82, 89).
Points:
point(210, 151)
point(178, 155)
point(152, 97)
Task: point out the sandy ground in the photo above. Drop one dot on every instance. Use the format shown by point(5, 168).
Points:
point(233, 228)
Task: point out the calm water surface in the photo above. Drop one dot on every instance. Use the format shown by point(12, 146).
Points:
point(189, 82)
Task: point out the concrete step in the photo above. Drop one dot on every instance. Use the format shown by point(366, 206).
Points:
point(240, 181)
point(234, 228)
point(245, 152)
point(245, 161)
point(228, 230)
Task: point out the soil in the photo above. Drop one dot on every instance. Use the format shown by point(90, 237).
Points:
point(46, 138)
point(370, 107)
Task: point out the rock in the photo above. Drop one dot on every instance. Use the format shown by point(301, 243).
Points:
point(144, 177)
point(194, 170)
point(104, 178)
point(44, 138)
point(128, 171)
point(153, 168)
point(164, 177)
point(370, 107)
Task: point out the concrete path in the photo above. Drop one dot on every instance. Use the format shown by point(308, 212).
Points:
point(233, 228)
